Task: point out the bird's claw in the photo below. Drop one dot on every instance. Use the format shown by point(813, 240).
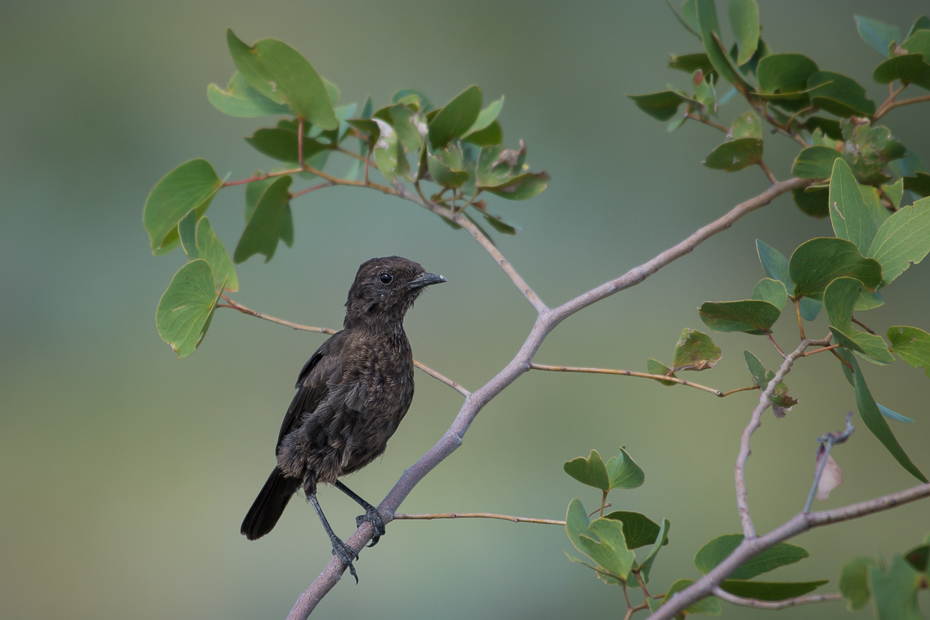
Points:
point(377, 523)
point(346, 554)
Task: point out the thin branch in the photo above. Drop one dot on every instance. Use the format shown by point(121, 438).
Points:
point(821, 350)
point(311, 189)
point(799, 524)
point(262, 177)
point(791, 602)
point(768, 172)
point(862, 325)
point(777, 348)
point(324, 330)
point(477, 515)
point(641, 375)
point(890, 103)
point(797, 311)
point(546, 321)
point(338, 148)
point(707, 121)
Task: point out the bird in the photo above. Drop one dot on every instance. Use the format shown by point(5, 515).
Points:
point(351, 396)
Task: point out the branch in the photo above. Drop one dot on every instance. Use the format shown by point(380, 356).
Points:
point(641, 375)
point(799, 524)
point(324, 330)
point(791, 602)
point(477, 515)
point(546, 321)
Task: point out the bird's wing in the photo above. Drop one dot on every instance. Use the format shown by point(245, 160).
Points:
point(322, 367)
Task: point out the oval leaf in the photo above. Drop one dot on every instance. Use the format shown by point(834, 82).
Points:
point(768, 591)
point(912, 345)
point(623, 472)
point(695, 351)
point(271, 221)
point(720, 548)
point(815, 162)
point(242, 101)
point(750, 316)
point(211, 249)
point(819, 261)
point(903, 240)
point(186, 308)
point(735, 155)
point(455, 118)
point(854, 582)
point(590, 471)
point(191, 185)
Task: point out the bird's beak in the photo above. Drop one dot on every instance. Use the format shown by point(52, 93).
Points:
point(426, 279)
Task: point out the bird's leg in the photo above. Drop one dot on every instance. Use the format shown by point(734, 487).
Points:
point(341, 550)
point(371, 514)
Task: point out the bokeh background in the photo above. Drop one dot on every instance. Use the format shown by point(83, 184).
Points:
point(125, 473)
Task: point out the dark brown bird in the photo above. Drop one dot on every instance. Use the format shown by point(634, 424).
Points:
point(351, 396)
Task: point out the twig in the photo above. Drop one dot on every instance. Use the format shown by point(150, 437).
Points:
point(797, 311)
point(821, 350)
point(262, 177)
point(546, 321)
point(707, 121)
point(311, 189)
point(324, 330)
point(768, 172)
point(477, 515)
point(791, 602)
point(641, 375)
point(777, 348)
point(799, 524)
point(862, 325)
point(890, 103)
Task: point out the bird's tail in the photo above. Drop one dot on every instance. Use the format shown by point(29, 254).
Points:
point(269, 505)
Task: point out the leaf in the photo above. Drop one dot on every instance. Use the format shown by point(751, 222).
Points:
point(735, 155)
point(812, 202)
point(854, 582)
point(848, 214)
point(191, 185)
point(839, 94)
point(695, 351)
point(903, 240)
point(486, 116)
point(691, 63)
point(720, 548)
point(918, 557)
point(768, 591)
point(785, 73)
point(895, 591)
point(412, 95)
point(918, 43)
point(839, 300)
point(187, 232)
point(750, 316)
point(815, 162)
point(455, 118)
point(910, 69)
point(921, 23)
point(869, 150)
point(747, 125)
point(888, 413)
point(610, 552)
point(253, 192)
point(492, 134)
point(772, 291)
point(590, 471)
point(389, 153)
point(499, 224)
point(874, 421)
point(279, 72)
point(269, 222)
point(879, 35)
point(210, 249)
point(710, 31)
point(447, 167)
point(708, 606)
point(756, 369)
point(661, 539)
point(186, 308)
point(242, 101)
point(623, 472)
point(776, 267)
point(638, 530)
point(819, 261)
point(521, 187)
point(689, 22)
point(281, 143)
point(662, 105)
point(912, 345)
point(744, 19)
point(894, 192)
point(576, 524)
point(919, 183)
point(655, 367)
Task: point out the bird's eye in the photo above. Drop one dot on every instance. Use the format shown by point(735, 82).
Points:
point(386, 278)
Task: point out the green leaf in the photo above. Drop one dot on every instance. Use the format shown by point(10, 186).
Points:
point(590, 471)
point(655, 367)
point(894, 192)
point(918, 43)
point(918, 557)
point(839, 300)
point(873, 202)
point(492, 134)
point(921, 23)
point(412, 95)
point(624, 473)
point(710, 31)
point(191, 185)
point(815, 162)
point(819, 261)
point(576, 524)
point(879, 35)
point(919, 183)
point(839, 94)
point(486, 116)
point(281, 143)
point(869, 150)
point(695, 351)
point(279, 72)
point(750, 316)
point(772, 291)
point(447, 166)
point(850, 217)
point(610, 552)
point(744, 19)
point(270, 222)
point(242, 101)
point(638, 530)
point(187, 232)
point(854, 582)
point(662, 105)
point(661, 539)
point(829, 126)
point(895, 591)
point(812, 201)
point(903, 240)
point(521, 187)
point(768, 591)
point(389, 153)
point(910, 69)
point(708, 606)
point(455, 118)
point(783, 78)
point(253, 192)
point(691, 63)
point(689, 18)
point(912, 345)
point(210, 249)
point(746, 125)
point(776, 266)
point(720, 548)
point(874, 421)
point(499, 224)
point(888, 413)
point(186, 308)
point(735, 155)
point(757, 370)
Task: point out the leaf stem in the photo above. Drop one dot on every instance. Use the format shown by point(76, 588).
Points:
point(862, 325)
point(311, 189)
point(777, 348)
point(768, 172)
point(797, 310)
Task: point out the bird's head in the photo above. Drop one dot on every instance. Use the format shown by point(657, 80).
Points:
point(385, 288)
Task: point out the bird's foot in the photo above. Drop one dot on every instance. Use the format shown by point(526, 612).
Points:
point(377, 523)
point(346, 554)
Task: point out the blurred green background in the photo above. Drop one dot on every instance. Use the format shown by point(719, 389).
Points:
point(124, 473)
